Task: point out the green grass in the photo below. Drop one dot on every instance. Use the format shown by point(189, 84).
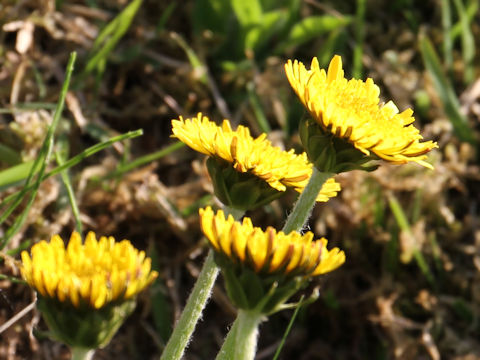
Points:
point(445, 91)
point(414, 251)
point(108, 39)
point(40, 164)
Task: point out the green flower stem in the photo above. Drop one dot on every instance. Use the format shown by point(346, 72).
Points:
point(195, 304)
point(241, 341)
point(303, 207)
point(193, 310)
point(79, 353)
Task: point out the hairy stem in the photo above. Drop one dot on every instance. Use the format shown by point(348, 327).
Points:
point(306, 201)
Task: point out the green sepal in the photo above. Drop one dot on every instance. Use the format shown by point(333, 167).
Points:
point(243, 191)
point(248, 290)
point(235, 289)
point(84, 326)
point(280, 295)
point(311, 299)
point(244, 195)
point(329, 153)
point(218, 181)
point(253, 287)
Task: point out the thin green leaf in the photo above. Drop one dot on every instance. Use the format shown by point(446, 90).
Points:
point(423, 266)
point(272, 23)
point(359, 39)
point(330, 46)
point(197, 64)
point(165, 16)
point(257, 109)
point(213, 15)
point(23, 245)
point(161, 308)
point(437, 254)
point(287, 330)
point(143, 160)
point(110, 36)
point(77, 159)
point(42, 160)
point(312, 27)
point(14, 174)
point(399, 214)
point(403, 224)
point(468, 43)
point(9, 156)
point(417, 205)
point(447, 37)
point(472, 10)
point(193, 208)
point(445, 91)
point(42, 89)
point(248, 12)
point(60, 156)
point(12, 279)
point(28, 107)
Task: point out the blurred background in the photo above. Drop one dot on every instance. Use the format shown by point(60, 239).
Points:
point(410, 288)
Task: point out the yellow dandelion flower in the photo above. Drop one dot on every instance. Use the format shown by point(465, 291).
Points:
point(268, 252)
point(257, 156)
point(93, 274)
point(351, 110)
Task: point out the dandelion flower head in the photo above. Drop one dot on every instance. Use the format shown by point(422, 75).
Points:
point(268, 252)
point(351, 109)
point(279, 169)
point(94, 274)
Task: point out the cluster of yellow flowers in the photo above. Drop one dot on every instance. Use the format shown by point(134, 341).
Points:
point(349, 110)
point(346, 119)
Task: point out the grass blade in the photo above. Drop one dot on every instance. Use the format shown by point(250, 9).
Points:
point(257, 109)
point(359, 39)
point(143, 160)
point(468, 43)
point(447, 37)
point(471, 11)
point(273, 23)
point(199, 68)
point(12, 279)
point(445, 91)
point(78, 158)
point(60, 157)
point(287, 330)
point(248, 12)
point(161, 309)
point(41, 161)
point(310, 28)
point(110, 36)
point(403, 224)
point(27, 107)
point(9, 156)
point(14, 174)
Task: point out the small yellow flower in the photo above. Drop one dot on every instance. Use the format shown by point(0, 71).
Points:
point(93, 274)
point(350, 109)
point(279, 169)
point(268, 252)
